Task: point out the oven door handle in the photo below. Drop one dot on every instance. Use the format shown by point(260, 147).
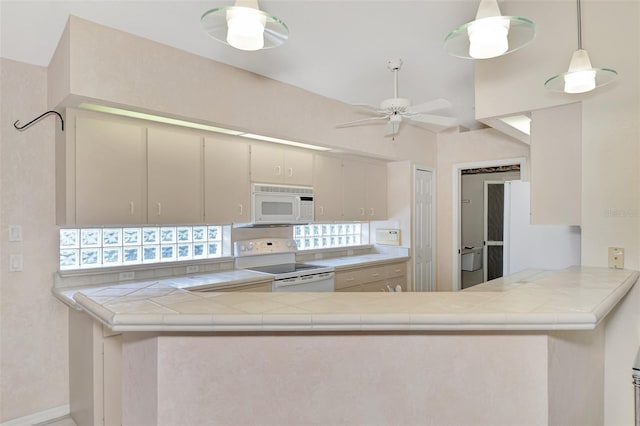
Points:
point(305, 279)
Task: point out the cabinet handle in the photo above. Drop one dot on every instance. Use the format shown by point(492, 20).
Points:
point(397, 270)
point(321, 210)
point(278, 170)
point(350, 279)
point(375, 275)
point(159, 209)
point(290, 171)
point(131, 209)
point(371, 211)
point(361, 211)
point(240, 209)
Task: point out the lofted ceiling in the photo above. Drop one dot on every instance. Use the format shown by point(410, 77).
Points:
point(337, 49)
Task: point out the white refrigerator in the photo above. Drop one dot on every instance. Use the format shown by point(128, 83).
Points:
point(529, 246)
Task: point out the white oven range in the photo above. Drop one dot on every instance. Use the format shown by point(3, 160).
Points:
point(277, 257)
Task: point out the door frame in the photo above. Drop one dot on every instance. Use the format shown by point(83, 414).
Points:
point(432, 230)
point(456, 207)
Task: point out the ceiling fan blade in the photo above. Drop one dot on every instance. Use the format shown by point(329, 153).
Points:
point(433, 105)
point(436, 120)
point(369, 109)
point(361, 121)
point(392, 128)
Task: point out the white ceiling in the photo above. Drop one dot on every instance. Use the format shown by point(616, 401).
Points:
point(337, 49)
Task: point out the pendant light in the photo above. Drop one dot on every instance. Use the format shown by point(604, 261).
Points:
point(490, 35)
point(581, 77)
point(244, 26)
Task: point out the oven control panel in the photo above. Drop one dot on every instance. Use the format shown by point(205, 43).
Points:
point(264, 246)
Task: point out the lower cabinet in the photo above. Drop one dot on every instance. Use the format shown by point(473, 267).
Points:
point(374, 278)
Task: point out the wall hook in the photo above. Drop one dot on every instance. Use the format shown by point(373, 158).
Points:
point(38, 118)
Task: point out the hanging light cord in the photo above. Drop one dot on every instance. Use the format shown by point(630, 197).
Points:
point(579, 26)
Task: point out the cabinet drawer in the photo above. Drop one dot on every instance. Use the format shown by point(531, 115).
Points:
point(354, 288)
point(249, 288)
point(396, 270)
point(374, 274)
point(348, 279)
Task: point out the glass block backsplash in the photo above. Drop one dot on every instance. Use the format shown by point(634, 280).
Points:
point(329, 235)
point(82, 248)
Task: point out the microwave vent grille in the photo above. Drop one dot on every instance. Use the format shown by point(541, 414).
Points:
point(281, 189)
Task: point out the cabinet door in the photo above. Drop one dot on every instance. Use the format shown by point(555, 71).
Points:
point(174, 177)
point(110, 175)
point(327, 188)
point(298, 167)
point(376, 191)
point(267, 163)
point(354, 196)
point(227, 189)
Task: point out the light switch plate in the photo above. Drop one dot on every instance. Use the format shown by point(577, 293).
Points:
point(616, 257)
point(15, 263)
point(15, 233)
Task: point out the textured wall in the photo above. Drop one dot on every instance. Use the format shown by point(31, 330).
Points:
point(33, 329)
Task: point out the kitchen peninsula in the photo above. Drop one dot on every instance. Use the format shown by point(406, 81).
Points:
point(511, 351)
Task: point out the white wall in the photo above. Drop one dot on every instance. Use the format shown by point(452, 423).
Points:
point(33, 325)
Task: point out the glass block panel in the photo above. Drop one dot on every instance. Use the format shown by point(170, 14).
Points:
point(150, 254)
point(91, 237)
point(184, 251)
point(132, 236)
point(199, 233)
point(69, 259)
point(184, 234)
point(168, 253)
point(214, 233)
point(90, 258)
point(199, 251)
point(111, 256)
point(112, 237)
point(69, 238)
point(212, 250)
point(150, 236)
point(131, 255)
point(167, 235)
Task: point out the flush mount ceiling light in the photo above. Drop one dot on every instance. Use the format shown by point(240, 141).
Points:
point(581, 77)
point(244, 26)
point(490, 35)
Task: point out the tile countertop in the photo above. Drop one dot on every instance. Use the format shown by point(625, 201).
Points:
point(360, 261)
point(577, 298)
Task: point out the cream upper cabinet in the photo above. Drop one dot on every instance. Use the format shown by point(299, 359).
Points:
point(376, 191)
point(327, 188)
point(174, 176)
point(110, 172)
point(227, 188)
point(354, 190)
point(278, 164)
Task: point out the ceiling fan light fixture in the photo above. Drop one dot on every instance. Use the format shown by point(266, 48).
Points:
point(244, 26)
point(490, 35)
point(582, 77)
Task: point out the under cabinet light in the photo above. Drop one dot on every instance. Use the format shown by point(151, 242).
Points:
point(192, 125)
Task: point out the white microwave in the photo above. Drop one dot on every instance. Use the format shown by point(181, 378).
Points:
point(281, 204)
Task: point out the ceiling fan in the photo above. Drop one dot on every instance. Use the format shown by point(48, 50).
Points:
point(395, 110)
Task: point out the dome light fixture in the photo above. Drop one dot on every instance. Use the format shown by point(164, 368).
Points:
point(244, 26)
point(582, 77)
point(490, 35)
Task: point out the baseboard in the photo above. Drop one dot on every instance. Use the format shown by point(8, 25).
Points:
point(39, 417)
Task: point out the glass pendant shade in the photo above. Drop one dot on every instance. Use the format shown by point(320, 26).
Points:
point(581, 77)
point(244, 26)
point(490, 35)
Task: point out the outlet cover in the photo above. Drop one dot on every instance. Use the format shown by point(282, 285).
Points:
point(125, 276)
point(616, 257)
point(192, 269)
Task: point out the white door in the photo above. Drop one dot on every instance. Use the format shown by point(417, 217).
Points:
point(423, 246)
point(492, 255)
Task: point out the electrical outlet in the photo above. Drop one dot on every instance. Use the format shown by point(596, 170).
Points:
point(125, 276)
point(15, 233)
point(192, 269)
point(616, 257)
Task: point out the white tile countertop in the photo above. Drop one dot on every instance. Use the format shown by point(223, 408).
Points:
point(359, 261)
point(577, 298)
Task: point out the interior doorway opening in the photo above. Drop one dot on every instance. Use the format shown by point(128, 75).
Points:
point(479, 219)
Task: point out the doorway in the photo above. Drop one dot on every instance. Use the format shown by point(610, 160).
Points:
point(478, 210)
